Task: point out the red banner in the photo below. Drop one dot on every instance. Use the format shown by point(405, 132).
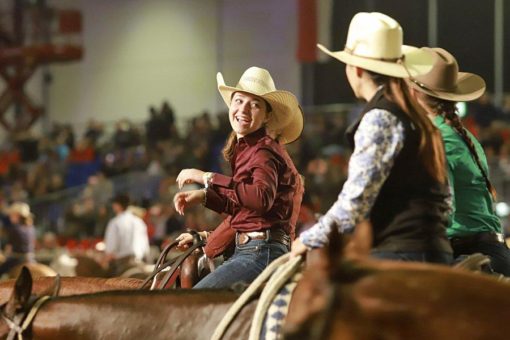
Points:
point(307, 31)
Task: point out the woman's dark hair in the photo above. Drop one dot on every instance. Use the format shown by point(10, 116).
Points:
point(228, 149)
point(431, 151)
point(448, 110)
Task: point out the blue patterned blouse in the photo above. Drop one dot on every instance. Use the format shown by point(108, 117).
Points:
point(378, 139)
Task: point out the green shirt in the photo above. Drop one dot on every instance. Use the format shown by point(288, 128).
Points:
point(472, 202)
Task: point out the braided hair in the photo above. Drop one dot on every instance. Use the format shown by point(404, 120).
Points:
point(448, 110)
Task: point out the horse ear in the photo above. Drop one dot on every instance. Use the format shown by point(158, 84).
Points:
point(360, 244)
point(336, 248)
point(21, 293)
point(53, 289)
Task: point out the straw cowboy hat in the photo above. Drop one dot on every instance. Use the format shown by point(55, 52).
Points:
point(445, 81)
point(20, 208)
point(286, 117)
point(374, 43)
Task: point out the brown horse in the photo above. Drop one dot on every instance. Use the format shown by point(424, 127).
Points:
point(369, 299)
point(72, 285)
point(337, 298)
point(174, 314)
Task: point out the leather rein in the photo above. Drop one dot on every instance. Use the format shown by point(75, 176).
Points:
point(20, 323)
point(173, 263)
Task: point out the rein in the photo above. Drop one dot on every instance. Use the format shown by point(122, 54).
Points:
point(283, 269)
point(15, 329)
point(173, 263)
point(159, 266)
point(179, 261)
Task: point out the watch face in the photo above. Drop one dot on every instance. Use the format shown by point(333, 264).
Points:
point(207, 178)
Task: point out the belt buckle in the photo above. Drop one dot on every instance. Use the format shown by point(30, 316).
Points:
point(242, 238)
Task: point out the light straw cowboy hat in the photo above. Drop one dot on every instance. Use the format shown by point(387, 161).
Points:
point(445, 81)
point(20, 208)
point(374, 43)
point(286, 118)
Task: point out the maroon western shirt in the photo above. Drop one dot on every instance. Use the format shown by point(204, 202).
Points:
point(265, 190)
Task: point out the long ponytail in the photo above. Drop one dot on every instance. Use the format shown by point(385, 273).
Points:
point(431, 150)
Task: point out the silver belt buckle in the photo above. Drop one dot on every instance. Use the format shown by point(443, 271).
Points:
point(252, 234)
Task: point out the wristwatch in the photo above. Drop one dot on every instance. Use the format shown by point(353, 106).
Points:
point(207, 176)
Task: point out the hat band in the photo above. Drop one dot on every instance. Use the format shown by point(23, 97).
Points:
point(421, 85)
point(425, 87)
point(351, 52)
point(400, 60)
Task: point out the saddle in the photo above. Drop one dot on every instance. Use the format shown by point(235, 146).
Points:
point(476, 262)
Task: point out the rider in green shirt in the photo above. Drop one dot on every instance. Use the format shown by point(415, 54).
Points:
point(472, 202)
point(474, 226)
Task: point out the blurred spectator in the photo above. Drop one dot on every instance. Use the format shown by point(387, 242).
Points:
point(19, 236)
point(484, 112)
point(94, 131)
point(126, 239)
point(168, 116)
point(125, 135)
point(8, 156)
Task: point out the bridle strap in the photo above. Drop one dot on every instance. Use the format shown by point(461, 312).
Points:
point(13, 328)
point(17, 330)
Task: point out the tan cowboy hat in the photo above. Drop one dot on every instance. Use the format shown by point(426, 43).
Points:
point(286, 117)
point(20, 208)
point(445, 81)
point(374, 43)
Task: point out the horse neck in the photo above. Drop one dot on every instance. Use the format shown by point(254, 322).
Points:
point(134, 314)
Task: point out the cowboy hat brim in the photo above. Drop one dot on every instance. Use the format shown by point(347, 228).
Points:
point(416, 62)
point(287, 116)
point(469, 87)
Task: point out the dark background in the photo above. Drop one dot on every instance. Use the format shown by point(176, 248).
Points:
point(465, 28)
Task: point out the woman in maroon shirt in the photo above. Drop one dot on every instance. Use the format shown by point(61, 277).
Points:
point(263, 196)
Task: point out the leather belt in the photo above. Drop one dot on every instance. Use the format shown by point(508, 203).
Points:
point(275, 235)
point(478, 237)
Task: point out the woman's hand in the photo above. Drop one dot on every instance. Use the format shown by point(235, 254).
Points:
point(188, 176)
point(185, 239)
point(298, 248)
point(187, 199)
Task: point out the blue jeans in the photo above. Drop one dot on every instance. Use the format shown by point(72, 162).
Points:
point(436, 257)
point(497, 251)
point(248, 261)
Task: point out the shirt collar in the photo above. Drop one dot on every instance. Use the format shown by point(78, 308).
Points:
point(254, 137)
point(439, 120)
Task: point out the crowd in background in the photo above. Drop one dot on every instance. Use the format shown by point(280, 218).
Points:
point(69, 180)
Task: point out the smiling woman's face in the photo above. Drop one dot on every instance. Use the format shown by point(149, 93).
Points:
point(247, 113)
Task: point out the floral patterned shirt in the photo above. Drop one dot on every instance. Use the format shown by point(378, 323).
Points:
point(378, 140)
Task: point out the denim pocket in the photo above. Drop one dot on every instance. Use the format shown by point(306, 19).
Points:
point(250, 247)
